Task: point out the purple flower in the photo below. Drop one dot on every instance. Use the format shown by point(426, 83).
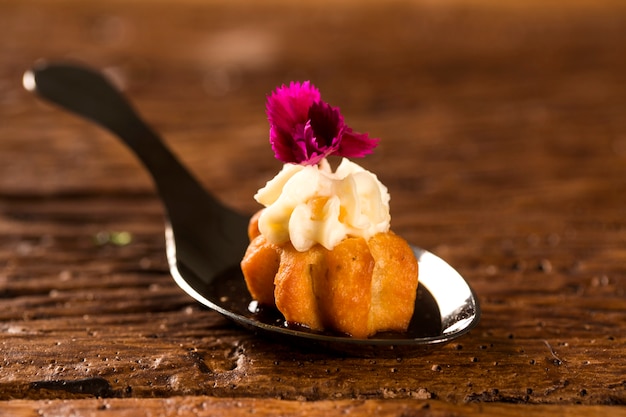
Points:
point(304, 129)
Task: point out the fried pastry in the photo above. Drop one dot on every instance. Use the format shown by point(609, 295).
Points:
point(321, 250)
point(358, 288)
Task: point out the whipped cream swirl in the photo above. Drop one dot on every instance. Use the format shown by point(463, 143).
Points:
point(310, 204)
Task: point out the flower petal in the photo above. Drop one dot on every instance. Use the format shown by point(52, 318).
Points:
point(328, 125)
point(289, 106)
point(281, 145)
point(287, 110)
point(304, 129)
point(356, 145)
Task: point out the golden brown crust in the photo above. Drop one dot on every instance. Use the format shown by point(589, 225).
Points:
point(294, 285)
point(394, 283)
point(359, 288)
point(344, 292)
point(259, 266)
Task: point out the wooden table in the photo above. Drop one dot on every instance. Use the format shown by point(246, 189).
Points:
point(503, 145)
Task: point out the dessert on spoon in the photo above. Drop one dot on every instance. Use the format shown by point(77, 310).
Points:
point(321, 249)
point(206, 240)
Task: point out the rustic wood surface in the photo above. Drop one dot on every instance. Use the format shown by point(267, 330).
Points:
point(503, 145)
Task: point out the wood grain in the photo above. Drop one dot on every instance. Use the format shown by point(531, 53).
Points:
point(503, 146)
point(235, 407)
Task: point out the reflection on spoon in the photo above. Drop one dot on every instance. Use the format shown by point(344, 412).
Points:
point(206, 240)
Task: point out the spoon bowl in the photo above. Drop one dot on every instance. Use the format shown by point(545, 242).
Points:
point(206, 240)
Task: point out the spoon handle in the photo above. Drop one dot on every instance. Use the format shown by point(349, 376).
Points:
point(89, 94)
point(208, 237)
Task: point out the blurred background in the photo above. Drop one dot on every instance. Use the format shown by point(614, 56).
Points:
point(472, 90)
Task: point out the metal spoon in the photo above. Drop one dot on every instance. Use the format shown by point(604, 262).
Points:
point(205, 239)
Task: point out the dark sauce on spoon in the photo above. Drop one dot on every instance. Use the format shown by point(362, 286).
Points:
point(231, 294)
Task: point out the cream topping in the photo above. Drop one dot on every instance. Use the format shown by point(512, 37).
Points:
point(310, 204)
